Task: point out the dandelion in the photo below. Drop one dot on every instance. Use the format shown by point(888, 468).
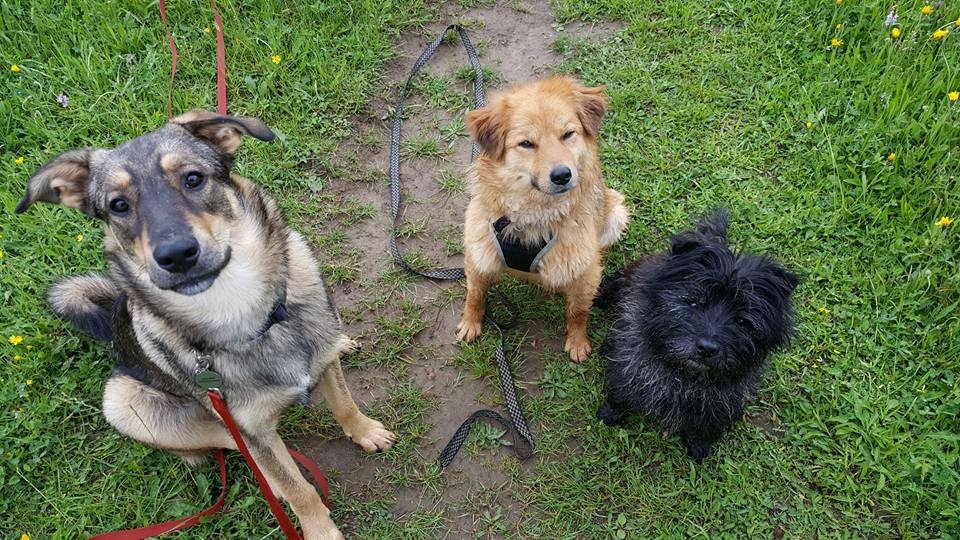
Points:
point(24, 536)
point(823, 310)
point(926, 10)
point(892, 156)
point(944, 222)
point(29, 382)
point(953, 96)
point(809, 124)
point(940, 34)
point(275, 59)
point(895, 33)
point(19, 160)
point(15, 340)
point(839, 2)
point(891, 18)
point(835, 42)
point(15, 68)
point(79, 238)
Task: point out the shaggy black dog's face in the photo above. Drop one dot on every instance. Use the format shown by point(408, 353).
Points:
point(713, 312)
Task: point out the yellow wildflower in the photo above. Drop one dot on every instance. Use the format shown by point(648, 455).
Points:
point(953, 96)
point(275, 59)
point(79, 238)
point(839, 2)
point(940, 34)
point(29, 347)
point(809, 124)
point(24, 536)
point(839, 26)
point(823, 310)
point(944, 222)
point(15, 68)
point(17, 358)
point(814, 365)
point(957, 22)
point(1, 253)
point(207, 29)
point(15, 340)
point(892, 156)
point(836, 42)
point(29, 382)
point(895, 33)
point(926, 10)
point(19, 160)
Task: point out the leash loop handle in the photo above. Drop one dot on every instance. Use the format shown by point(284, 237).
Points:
point(221, 59)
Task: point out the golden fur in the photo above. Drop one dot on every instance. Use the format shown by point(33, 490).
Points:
point(525, 133)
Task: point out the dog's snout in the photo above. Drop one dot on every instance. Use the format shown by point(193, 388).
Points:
point(707, 347)
point(177, 255)
point(561, 175)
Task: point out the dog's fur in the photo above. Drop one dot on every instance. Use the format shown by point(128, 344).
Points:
point(524, 134)
point(199, 269)
point(695, 328)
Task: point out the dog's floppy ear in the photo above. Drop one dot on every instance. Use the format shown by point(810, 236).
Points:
point(64, 180)
point(488, 127)
point(592, 106)
point(223, 131)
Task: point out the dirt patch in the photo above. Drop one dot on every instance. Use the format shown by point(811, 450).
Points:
point(517, 43)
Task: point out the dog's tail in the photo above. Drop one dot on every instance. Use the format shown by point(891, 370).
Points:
point(87, 302)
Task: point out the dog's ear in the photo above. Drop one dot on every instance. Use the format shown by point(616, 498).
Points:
point(223, 131)
point(685, 242)
point(713, 226)
point(487, 126)
point(64, 180)
point(787, 278)
point(592, 106)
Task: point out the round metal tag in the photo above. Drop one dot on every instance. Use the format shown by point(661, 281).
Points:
point(208, 379)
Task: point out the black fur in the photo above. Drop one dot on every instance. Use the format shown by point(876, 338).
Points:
point(695, 328)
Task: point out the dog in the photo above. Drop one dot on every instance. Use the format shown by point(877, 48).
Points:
point(204, 277)
point(695, 329)
point(539, 208)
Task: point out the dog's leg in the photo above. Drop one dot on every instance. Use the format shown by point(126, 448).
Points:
point(610, 415)
point(162, 420)
point(699, 443)
point(286, 481)
point(617, 218)
point(478, 284)
point(366, 432)
point(579, 296)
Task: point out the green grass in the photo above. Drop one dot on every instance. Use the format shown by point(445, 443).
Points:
point(708, 106)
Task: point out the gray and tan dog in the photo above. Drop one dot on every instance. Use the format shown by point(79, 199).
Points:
point(203, 270)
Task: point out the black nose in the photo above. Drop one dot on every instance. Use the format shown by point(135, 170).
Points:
point(707, 347)
point(560, 175)
point(177, 255)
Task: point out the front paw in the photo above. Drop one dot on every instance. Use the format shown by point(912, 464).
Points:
point(578, 348)
point(698, 450)
point(469, 330)
point(369, 434)
point(608, 415)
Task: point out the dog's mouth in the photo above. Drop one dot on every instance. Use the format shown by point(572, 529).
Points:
point(553, 189)
point(198, 284)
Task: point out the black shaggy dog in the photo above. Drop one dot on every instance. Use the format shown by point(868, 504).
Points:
point(695, 328)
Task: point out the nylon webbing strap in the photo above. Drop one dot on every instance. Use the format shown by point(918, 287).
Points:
point(517, 424)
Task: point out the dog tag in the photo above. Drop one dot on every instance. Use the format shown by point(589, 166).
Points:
point(208, 379)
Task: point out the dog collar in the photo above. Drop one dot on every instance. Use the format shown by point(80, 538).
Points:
point(515, 254)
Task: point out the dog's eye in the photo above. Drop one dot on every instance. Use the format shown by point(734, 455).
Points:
point(526, 144)
point(193, 180)
point(119, 206)
point(569, 134)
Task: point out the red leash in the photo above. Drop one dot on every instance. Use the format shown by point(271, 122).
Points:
point(221, 59)
point(216, 399)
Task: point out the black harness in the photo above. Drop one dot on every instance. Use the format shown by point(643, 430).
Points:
point(515, 254)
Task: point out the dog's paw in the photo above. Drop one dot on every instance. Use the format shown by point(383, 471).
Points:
point(698, 450)
point(328, 534)
point(578, 348)
point(469, 331)
point(348, 345)
point(370, 434)
point(608, 415)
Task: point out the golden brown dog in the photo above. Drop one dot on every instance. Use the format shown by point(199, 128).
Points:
point(539, 206)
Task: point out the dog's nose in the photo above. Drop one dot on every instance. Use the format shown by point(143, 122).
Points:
point(560, 175)
point(707, 347)
point(177, 255)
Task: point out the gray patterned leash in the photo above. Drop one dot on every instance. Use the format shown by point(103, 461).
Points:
point(517, 424)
